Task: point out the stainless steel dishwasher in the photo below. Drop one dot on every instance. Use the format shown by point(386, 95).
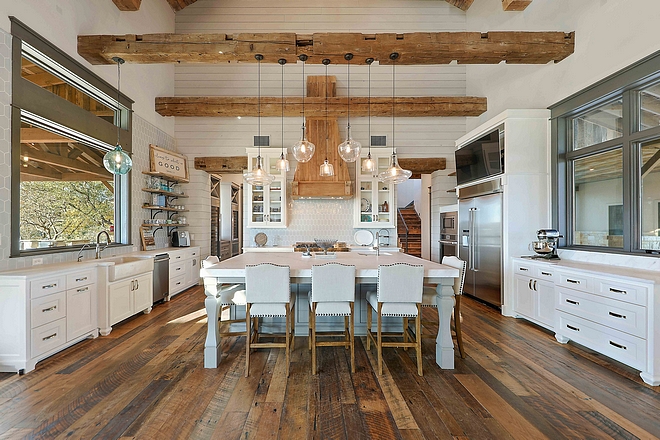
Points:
point(161, 277)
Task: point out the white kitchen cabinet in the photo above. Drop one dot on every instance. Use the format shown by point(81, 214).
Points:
point(374, 203)
point(534, 292)
point(129, 297)
point(45, 310)
point(266, 204)
point(184, 269)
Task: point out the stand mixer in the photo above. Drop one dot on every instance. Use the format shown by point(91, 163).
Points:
point(546, 246)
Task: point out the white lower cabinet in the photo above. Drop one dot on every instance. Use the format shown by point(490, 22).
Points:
point(129, 297)
point(609, 311)
point(43, 312)
point(184, 269)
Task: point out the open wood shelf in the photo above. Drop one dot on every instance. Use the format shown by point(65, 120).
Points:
point(167, 193)
point(166, 177)
point(163, 208)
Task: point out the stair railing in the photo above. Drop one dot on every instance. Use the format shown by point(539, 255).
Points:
point(406, 226)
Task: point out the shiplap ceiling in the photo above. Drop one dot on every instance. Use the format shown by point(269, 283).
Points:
point(464, 5)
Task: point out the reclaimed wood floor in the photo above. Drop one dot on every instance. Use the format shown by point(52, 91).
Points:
point(146, 380)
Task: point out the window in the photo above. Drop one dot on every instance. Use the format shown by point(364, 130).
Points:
point(64, 120)
point(606, 162)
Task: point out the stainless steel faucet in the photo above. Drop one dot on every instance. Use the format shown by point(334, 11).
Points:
point(377, 246)
point(98, 244)
point(81, 250)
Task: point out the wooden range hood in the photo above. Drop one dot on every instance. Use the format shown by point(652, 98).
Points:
point(307, 183)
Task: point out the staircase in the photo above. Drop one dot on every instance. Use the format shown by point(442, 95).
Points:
point(409, 230)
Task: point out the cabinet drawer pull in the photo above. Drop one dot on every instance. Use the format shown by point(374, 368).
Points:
point(178, 283)
point(618, 345)
point(178, 268)
point(616, 315)
point(573, 328)
point(49, 286)
point(570, 301)
point(572, 281)
point(530, 284)
point(523, 269)
point(81, 279)
point(49, 309)
point(84, 289)
point(55, 334)
point(547, 274)
point(622, 292)
point(178, 257)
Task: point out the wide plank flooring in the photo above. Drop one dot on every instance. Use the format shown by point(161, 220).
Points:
point(146, 381)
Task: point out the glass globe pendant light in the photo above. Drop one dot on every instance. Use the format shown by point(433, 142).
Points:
point(259, 175)
point(303, 150)
point(117, 161)
point(282, 162)
point(394, 174)
point(349, 150)
point(369, 164)
point(327, 170)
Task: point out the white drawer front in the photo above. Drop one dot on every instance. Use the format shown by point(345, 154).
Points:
point(82, 278)
point(177, 269)
point(545, 273)
point(177, 284)
point(623, 291)
point(575, 281)
point(524, 268)
point(192, 254)
point(48, 309)
point(46, 286)
point(620, 346)
point(48, 337)
point(176, 257)
point(621, 316)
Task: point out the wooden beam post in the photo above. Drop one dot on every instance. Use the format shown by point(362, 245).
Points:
point(515, 5)
point(463, 5)
point(127, 5)
point(227, 165)
point(177, 5)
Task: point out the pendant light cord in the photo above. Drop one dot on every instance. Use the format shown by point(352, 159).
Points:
point(282, 149)
point(393, 95)
point(304, 92)
point(118, 105)
point(259, 105)
point(369, 106)
point(348, 74)
point(326, 110)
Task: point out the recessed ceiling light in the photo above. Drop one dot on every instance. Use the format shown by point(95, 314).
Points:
point(238, 117)
point(591, 169)
point(220, 51)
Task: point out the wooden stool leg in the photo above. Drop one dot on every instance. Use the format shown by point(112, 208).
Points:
point(405, 332)
point(247, 339)
point(309, 329)
point(313, 338)
point(379, 345)
point(457, 326)
point(352, 336)
point(293, 327)
point(346, 332)
point(368, 325)
point(418, 339)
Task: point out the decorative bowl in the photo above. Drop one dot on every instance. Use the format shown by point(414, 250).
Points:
point(325, 244)
point(542, 247)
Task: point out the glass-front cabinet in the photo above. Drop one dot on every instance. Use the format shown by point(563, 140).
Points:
point(374, 203)
point(266, 204)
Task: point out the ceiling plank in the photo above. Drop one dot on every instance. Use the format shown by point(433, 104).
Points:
point(177, 5)
point(463, 5)
point(423, 165)
point(515, 5)
point(229, 164)
point(127, 5)
point(414, 48)
point(44, 79)
point(40, 136)
point(59, 161)
point(224, 106)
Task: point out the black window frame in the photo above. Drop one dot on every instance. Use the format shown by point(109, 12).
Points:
point(33, 99)
point(625, 83)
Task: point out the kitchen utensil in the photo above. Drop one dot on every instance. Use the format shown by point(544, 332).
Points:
point(547, 243)
point(325, 244)
point(261, 239)
point(363, 237)
point(365, 205)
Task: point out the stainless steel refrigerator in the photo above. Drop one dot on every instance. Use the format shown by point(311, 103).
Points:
point(480, 232)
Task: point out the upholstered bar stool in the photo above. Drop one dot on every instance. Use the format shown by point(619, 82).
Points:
point(430, 298)
point(229, 294)
point(268, 294)
point(332, 294)
point(399, 294)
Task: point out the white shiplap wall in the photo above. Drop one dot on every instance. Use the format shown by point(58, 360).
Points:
point(414, 137)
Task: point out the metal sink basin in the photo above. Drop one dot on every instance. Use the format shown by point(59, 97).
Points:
point(372, 252)
point(125, 267)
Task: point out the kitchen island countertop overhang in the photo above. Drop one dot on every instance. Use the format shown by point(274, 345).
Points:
point(232, 270)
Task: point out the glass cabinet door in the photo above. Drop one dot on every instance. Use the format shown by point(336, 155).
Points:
point(275, 202)
point(257, 203)
point(375, 198)
point(266, 203)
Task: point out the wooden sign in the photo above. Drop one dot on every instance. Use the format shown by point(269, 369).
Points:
point(168, 163)
point(147, 237)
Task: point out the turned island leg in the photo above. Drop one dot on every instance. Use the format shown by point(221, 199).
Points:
point(444, 346)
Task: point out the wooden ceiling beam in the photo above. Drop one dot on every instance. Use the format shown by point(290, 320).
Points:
point(127, 5)
point(40, 136)
point(422, 165)
point(418, 48)
point(44, 79)
point(463, 5)
point(221, 106)
point(515, 5)
point(177, 5)
point(64, 162)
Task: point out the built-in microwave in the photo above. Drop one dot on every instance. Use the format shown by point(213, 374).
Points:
point(480, 158)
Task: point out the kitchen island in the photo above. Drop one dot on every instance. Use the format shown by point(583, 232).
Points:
point(366, 265)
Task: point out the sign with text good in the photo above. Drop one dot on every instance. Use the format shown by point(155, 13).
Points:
point(168, 163)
